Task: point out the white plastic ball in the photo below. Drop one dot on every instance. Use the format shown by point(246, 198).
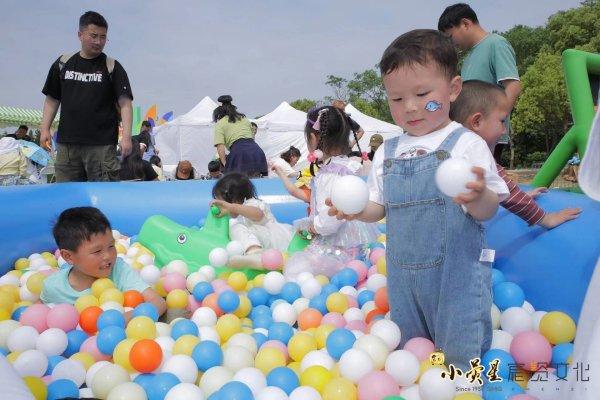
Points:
point(236, 358)
point(52, 342)
point(350, 194)
point(536, 318)
point(501, 340)
point(305, 393)
point(209, 272)
point(515, 320)
point(218, 257)
point(376, 282)
point(368, 307)
point(25, 276)
point(528, 307)
point(496, 314)
point(272, 393)
point(303, 277)
point(301, 304)
point(375, 347)
point(193, 279)
point(183, 367)
point(354, 314)
point(433, 387)
point(150, 274)
point(91, 372)
point(453, 175)
point(410, 393)
point(403, 366)
point(178, 266)
point(204, 316)
point(310, 288)
point(36, 263)
point(23, 338)
point(273, 282)
point(86, 393)
point(107, 378)
point(317, 357)
point(263, 331)
point(162, 329)
point(243, 340)
point(234, 248)
point(31, 363)
point(214, 379)
point(253, 378)
point(132, 252)
point(116, 234)
point(166, 343)
point(349, 290)
point(285, 312)
point(185, 391)
point(113, 305)
point(127, 391)
point(463, 385)
point(145, 259)
point(388, 331)
point(354, 364)
point(71, 370)
point(209, 333)
point(9, 279)
point(33, 256)
point(26, 295)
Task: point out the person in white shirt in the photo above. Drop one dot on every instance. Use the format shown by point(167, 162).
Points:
point(286, 162)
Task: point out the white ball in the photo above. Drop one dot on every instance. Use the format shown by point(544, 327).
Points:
point(162, 329)
point(25, 276)
point(33, 256)
point(178, 266)
point(253, 378)
point(375, 347)
point(193, 279)
point(453, 175)
point(166, 343)
point(185, 391)
point(52, 342)
point(26, 295)
point(495, 317)
point(368, 307)
point(113, 305)
point(150, 274)
point(86, 393)
point(536, 318)
point(354, 314)
point(145, 259)
point(243, 340)
point(388, 331)
point(376, 282)
point(71, 370)
point(317, 357)
point(91, 372)
point(310, 288)
point(9, 279)
point(31, 363)
point(127, 391)
point(107, 378)
point(273, 282)
point(218, 257)
point(463, 385)
point(183, 367)
point(410, 393)
point(272, 393)
point(234, 248)
point(349, 290)
point(354, 364)
point(132, 252)
point(236, 358)
point(501, 340)
point(403, 366)
point(116, 234)
point(23, 338)
point(204, 316)
point(350, 194)
point(528, 307)
point(209, 272)
point(515, 320)
point(305, 393)
point(301, 304)
point(214, 379)
point(209, 333)
point(285, 312)
point(303, 277)
point(433, 387)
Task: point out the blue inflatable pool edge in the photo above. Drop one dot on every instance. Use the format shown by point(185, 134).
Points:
point(552, 266)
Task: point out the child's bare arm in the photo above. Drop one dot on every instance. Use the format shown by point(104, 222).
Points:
point(250, 212)
point(372, 213)
point(552, 220)
point(290, 187)
point(481, 202)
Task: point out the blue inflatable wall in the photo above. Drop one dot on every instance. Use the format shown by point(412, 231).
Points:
point(553, 267)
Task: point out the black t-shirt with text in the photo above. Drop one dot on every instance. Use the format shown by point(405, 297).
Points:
point(88, 96)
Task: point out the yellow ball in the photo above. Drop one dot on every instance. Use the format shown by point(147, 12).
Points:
point(35, 283)
point(244, 308)
point(340, 389)
point(248, 330)
point(557, 327)
point(337, 302)
point(177, 298)
point(301, 344)
point(316, 377)
point(227, 326)
point(468, 396)
point(12, 290)
point(112, 294)
point(37, 387)
point(100, 285)
point(269, 358)
point(246, 322)
point(249, 286)
point(296, 367)
point(121, 353)
point(137, 265)
point(258, 280)
point(86, 359)
point(4, 314)
point(321, 334)
point(224, 275)
point(381, 266)
point(141, 327)
point(322, 279)
point(12, 357)
point(16, 273)
point(50, 259)
point(160, 289)
point(47, 254)
point(24, 303)
point(237, 280)
point(185, 345)
point(381, 238)
point(22, 263)
point(120, 248)
point(7, 301)
point(86, 301)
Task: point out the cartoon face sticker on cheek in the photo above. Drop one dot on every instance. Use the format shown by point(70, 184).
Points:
point(433, 105)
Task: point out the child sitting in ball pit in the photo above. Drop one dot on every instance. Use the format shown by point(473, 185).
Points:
point(85, 240)
point(482, 107)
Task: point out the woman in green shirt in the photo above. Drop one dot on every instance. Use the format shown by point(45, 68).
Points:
point(234, 133)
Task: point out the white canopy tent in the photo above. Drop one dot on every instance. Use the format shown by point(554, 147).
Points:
point(372, 126)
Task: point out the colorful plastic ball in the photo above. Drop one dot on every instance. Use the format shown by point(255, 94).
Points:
point(184, 391)
point(146, 309)
point(36, 386)
point(350, 194)
point(90, 346)
point(377, 385)
point(62, 388)
point(273, 282)
point(403, 366)
point(218, 257)
point(185, 344)
point(53, 362)
point(214, 379)
point(86, 301)
point(433, 386)
point(228, 301)
point(141, 327)
point(173, 280)
point(281, 331)
point(75, 339)
point(236, 391)
point(177, 298)
point(22, 338)
point(354, 364)
point(515, 320)
point(150, 274)
point(52, 342)
point(340, 389)
point(63, 316)
point(22, 263)
point(85, 359)
point(110, 318)
point(557, 327)
point(375, 347)
point(258, 296)
point(35, 316)
point(508, 294)
point(204, 316)
point(234, 248)
point(561, 353)
point(127, 391)
point(237, 357)
point(207, 354)
point(337, 302)
point(497, 277)
point(284, 312)
point(269, 358)
point(388, 331)
point(283, 378)
point(183, 327)
point(506, 360)
point(290, 292)
point(88, 319)
point(309, 318)
point(202, 290)
point(71, 370)
point(100, 285)
point(237, 281)
point(160, 385)
point(339, 341)
point(35, 283)
point(300, 345)
point(31, 363)
point(132, 298)
point(272, 259)
point(112, 295)
point(251, 377)
point(121, 354)
point(109, 337)
point(305, 393)
point(182, 366)
point(316, 377)
point(91, 372)
point(531, 349)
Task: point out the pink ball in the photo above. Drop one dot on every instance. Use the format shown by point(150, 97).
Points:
point(335, 319)
point(63, 316)
point(57, 253)
point(377, 385)
point(360, 268)
point(361, 285)
point(523, 397)
point(193, 305)
point(48, 272)
point(530, 348)
point(276, 344)
point(47, 379)
point(272, 259)
point(173, 280)
point(357, 326)
point(372, 271)
point(375, 254)
point(352, 303)
point(89, 346)
point(421, 347)
point(219, 283)
point(35, 315)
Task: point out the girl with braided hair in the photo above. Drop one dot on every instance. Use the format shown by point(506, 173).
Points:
point(334, 242)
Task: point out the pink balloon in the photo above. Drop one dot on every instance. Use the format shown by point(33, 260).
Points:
point(335, 319)
point(89, 346)
point(421, 347)
point(377, 385)
point(352, 303)
point(272, 259)
point(63, 316)
point(360, 268)
point(372, 271)
point(376, 254)
point(35, 316)
point(193, 305)
point(523, 397)
point(173, 280)
point(530, 348)
point(357, 326)
point(276, 344)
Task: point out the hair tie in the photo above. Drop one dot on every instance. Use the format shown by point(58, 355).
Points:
point(317, 124)
point(314, 156)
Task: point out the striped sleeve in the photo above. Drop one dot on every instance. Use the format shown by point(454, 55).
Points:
point(519, 202)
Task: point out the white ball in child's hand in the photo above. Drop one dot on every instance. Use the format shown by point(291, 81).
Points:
point(350, 194)
point(218, 257)
point(453, 175)
point(235, 248)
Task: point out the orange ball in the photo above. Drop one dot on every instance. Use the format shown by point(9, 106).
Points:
point(309, 318)
point(381, 299)
point(132, 298)
point(210, 301)
point(145, 356)
point(88, 318)
point(372, 314)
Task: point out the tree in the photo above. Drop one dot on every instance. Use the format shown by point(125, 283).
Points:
point(339, 86)
point(526, 42)
point(303, 104)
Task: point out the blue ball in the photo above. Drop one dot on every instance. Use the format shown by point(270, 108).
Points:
point(497, 277)
point(75, 339)
point(260, 338)
point(329, 289)
point(382, 229)
point(365, 296)
point(348, 277)
point(133, 239)
point(319, 303)
point(62, 388)
point(52, 361)
point(110, 318)
point(144, 380)
point(183, 327)
point(146, 309)
point(258, 296)
point(207, 354)
point(507, 362)
point(508, 294)
point(273, 299)
point(215, 396)
point(160, 385)
point(376, 245)
point(228, 301)
point(108, 338)
point(339, 341)
point(201, 290)
point(281, 331)
point(260, 310)
point(283, 378)
point(290, 292)
point(561, 353)
point(5, 352)
point(262, 321)
point(16, 314)
point(236, 391)
point(335, 281)
point(501, 390)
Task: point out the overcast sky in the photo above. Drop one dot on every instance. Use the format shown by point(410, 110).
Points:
point(260, 52)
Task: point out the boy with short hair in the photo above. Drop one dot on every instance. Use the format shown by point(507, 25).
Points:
point(483, 107)
point(439, 282)
point(84, 237)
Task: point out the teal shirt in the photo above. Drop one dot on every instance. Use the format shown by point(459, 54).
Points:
point(58, 290)
point(491, 60)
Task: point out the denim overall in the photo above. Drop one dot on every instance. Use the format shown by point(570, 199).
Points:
point(438, 288)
